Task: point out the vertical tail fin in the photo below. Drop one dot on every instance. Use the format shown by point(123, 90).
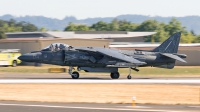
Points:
point(170, 45)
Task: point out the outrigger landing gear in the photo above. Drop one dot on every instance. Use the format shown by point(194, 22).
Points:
point(129, 75)
point(74, 75)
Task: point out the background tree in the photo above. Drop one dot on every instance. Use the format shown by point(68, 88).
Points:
point(82, 28)
point(187, 38)
point(2, 34)
point(163, 30)
point(149, 25)
point(11, 28)
point(153, 26)
point(70, 27)
point(28, 27)
point(43, 29)
point(196, 39)
point(175, 26)
point(1, 23)
point(14, 26)
point(160, 36)
point(100, 26)
point(76, 27)
point(114, 25)
point(192, 32)
point(127, 26)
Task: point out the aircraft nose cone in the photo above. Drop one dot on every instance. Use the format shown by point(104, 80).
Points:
point(26, 57)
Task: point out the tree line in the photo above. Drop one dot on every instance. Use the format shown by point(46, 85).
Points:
point(163, 30)
point(13, 26)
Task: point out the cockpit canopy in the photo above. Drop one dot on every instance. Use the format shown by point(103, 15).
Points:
point(56, 47)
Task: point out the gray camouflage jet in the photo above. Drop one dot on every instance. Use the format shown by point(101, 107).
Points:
point(96, 59)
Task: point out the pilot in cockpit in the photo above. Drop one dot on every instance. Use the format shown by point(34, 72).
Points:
point(56, 47)
point(51, 48)
point(61, 46)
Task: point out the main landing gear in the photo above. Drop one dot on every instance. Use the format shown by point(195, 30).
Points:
point(75, 74)
point(114, 75)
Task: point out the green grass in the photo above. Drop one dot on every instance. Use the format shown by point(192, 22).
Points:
point(124, 71)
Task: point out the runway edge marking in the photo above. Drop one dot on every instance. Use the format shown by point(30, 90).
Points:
point(90, 108)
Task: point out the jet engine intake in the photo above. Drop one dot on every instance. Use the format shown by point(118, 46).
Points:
point(90, 58)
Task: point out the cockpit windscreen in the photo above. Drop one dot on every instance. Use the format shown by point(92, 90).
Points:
point(56, 47)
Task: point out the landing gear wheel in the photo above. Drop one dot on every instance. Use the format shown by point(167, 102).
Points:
point(114, 75)
point(129, 77)
point(14, 64)
point(75, 75)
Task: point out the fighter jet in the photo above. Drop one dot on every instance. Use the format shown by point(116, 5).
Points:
point(101, 59)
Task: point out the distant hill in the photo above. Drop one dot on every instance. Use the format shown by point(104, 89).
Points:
point(191, 22)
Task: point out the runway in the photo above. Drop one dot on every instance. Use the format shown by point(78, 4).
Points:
point(14, 106)
point(86, 81)
point(89, 77)
point(63, 78)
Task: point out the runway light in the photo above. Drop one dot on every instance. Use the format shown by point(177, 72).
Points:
point(133, 101)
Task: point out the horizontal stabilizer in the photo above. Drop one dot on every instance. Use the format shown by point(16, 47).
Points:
point(173, 57)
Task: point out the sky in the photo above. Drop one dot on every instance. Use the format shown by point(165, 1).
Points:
point(82, 9)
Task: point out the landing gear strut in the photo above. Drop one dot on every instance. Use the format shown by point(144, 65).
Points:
point(129, 75)
point(74, 75)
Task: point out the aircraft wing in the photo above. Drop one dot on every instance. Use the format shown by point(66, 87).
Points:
point(112, 53)
point(173, 57)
